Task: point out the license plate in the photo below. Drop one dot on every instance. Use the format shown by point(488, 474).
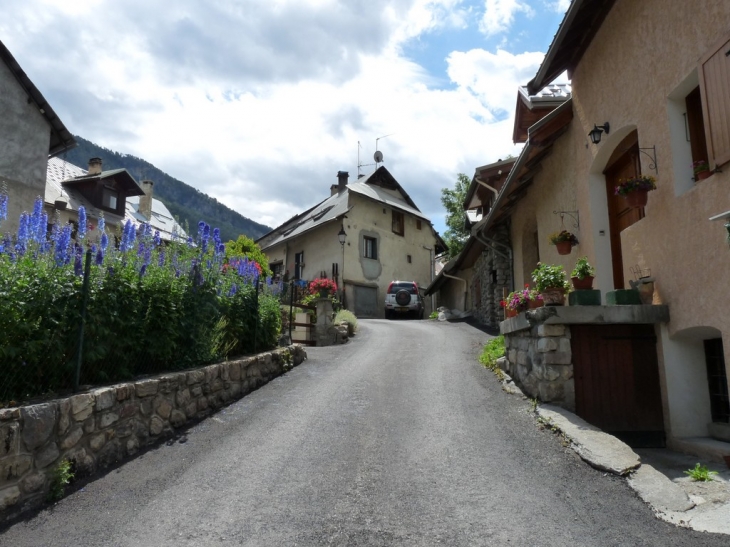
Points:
point(402, 309)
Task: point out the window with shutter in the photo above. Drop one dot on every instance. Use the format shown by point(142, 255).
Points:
point(714, 76)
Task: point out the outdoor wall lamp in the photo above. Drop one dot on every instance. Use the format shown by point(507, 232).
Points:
point(341, 235)
point(595, 133)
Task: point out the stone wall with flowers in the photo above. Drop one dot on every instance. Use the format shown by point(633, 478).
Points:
point(96, 429)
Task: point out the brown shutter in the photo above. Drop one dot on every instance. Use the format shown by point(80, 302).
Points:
point(714, 76)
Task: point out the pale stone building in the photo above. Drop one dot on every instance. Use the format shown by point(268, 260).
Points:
point(387, 238)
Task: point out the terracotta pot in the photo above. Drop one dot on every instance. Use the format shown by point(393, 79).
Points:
point(534, 304)
point(564, 247)
point(646, 292)
point(637, 198)
point(702, 175)
point(582, 284)
point(553, 296)
point(510, 313)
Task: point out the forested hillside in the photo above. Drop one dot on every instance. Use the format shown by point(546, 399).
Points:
point(185, 202)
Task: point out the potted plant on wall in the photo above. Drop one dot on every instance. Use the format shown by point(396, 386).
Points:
point(552, 283)
point(583, 274)
point(636, 189)
point(564, 241)
point(323, 286)
point(701, 169)
point(523, 300)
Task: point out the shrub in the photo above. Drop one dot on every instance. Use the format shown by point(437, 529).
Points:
point(349, 317)
point(151, 307)
point(61, 475)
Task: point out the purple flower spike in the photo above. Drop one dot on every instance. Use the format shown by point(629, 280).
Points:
point(82, 222)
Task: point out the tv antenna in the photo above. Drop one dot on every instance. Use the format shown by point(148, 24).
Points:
point(360, 165)
point(378, 156)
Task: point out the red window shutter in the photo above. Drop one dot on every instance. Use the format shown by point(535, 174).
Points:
point(714, 76)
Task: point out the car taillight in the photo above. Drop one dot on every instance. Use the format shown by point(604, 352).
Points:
point(389, 286)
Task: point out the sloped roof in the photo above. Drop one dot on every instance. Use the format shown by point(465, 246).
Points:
point(532, 108)
point(375, 186)
point(59, 171)
point(161, 219)
point(61, 138)
point(579, 26)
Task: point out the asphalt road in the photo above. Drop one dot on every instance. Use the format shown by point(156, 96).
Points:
point(399, 437)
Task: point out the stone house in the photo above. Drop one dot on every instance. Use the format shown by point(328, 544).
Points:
point(650, 82)
point(115, 193)
point(387, 238)
point(30, 133)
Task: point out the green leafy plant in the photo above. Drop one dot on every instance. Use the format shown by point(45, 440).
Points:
point(520, 300)
point(434, 315)
point(547, 276)
point(640, 182)
point(61, 475)
point(348, 317)
point(493, 350)
point(561, 236)
point(700, 473)
point(583, 269)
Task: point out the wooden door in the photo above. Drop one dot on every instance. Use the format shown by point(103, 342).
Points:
point(620, 216)
point(616, 376)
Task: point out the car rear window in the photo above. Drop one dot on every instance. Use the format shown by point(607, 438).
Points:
point(395, 287)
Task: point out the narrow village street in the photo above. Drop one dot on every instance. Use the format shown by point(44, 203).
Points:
point(399, 437)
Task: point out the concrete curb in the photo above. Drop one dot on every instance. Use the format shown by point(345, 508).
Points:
point(668, 500)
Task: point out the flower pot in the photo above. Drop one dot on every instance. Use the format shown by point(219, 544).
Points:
point(637, 198)
point(564, 247)
point(324, 293)
point(582, 284)
point(646, 292)
point(553, 296)
point(702, 175)
point(534, 304)
point(510, 313)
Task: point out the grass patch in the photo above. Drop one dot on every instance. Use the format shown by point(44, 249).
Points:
point(493, 350)
point(348, 317)
point(700, 473)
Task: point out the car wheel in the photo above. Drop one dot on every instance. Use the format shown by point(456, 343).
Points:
point(389, 314)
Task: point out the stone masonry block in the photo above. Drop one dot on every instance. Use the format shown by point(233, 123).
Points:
point(552, 373)
point(551, 392)
point(7, 414)
point(522, 358)
point(9, 439)
point(14, 467)
point(512, 356)
point(72, 438)
point(105, 398)
point(124, 392)
point(38, 424)
point(564, 345)
point(64, 416)
point(145, 388)
point(550, 330)
point(196, 377)
point(107, 419)
point(80, 403)
point(47, 456)
point(9, 497)
point(234, 371)
point(547, 344)
point(558, 358)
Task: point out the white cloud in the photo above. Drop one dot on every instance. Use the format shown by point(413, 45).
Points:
point(260, 104)
point(559, 6)
point(499, 15)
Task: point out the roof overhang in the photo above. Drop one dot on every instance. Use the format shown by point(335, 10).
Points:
point(541, 138)
point(493, 175)
point(579, 26)
point(465, 259)
point(61, 138)
point(124, 180)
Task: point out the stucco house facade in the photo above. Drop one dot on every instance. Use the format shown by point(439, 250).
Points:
point(30, 133)
point(651, 79)
point(387, 238)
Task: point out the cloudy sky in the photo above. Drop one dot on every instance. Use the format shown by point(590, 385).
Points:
point(260, 102)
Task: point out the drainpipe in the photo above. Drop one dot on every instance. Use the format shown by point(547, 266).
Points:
point(492, 244)
point(433, 267)
point(481, 182)
point(465, 287)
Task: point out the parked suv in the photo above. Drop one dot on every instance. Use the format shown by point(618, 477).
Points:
point(403, 297)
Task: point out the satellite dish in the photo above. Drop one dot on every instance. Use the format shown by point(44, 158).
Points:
point(378, 156)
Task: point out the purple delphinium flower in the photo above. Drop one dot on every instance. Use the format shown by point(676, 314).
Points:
point(62, 243)
point(190, 241)
point(157, 239)
point(233, 290)
point(104, 242)
point(128, 237)
point(102, 223)
point(81, 234)
point(78, 253)
point(34, 221)
point(3, 206)
point(40, 235)
point(99, 257)
point(142, 270)
point(161, 258)
point(201, 226)
point(22, 238)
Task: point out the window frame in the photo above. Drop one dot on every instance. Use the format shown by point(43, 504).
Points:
point(715, 102)
point(398, 223)
point(370, 247)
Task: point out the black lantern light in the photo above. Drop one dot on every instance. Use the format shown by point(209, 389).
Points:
point(595, 133)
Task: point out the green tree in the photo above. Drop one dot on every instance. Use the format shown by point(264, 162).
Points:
point(245, 246)
point(453, 200)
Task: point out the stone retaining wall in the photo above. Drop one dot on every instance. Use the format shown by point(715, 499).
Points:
point(539, 360)
point(96, 429)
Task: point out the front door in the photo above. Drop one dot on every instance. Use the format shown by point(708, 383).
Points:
point(620, 216)
point(616, 375)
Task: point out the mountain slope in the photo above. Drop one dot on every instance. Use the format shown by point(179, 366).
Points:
point(186, 203)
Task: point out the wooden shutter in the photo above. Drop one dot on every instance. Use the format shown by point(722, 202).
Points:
point(714, 76)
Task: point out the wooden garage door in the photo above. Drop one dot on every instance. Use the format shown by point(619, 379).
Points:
point(617, 381)
point(366, 301)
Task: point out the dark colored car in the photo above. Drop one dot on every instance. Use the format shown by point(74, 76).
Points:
point(403, 298)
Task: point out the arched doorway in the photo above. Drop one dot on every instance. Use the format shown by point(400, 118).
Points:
point(624, 163)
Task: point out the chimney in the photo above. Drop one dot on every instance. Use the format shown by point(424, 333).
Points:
point(94, 166)
point(342, 180)
point(145, 202)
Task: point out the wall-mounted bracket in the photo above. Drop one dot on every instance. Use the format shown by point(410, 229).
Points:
point(572, 214)
point(653, 165)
